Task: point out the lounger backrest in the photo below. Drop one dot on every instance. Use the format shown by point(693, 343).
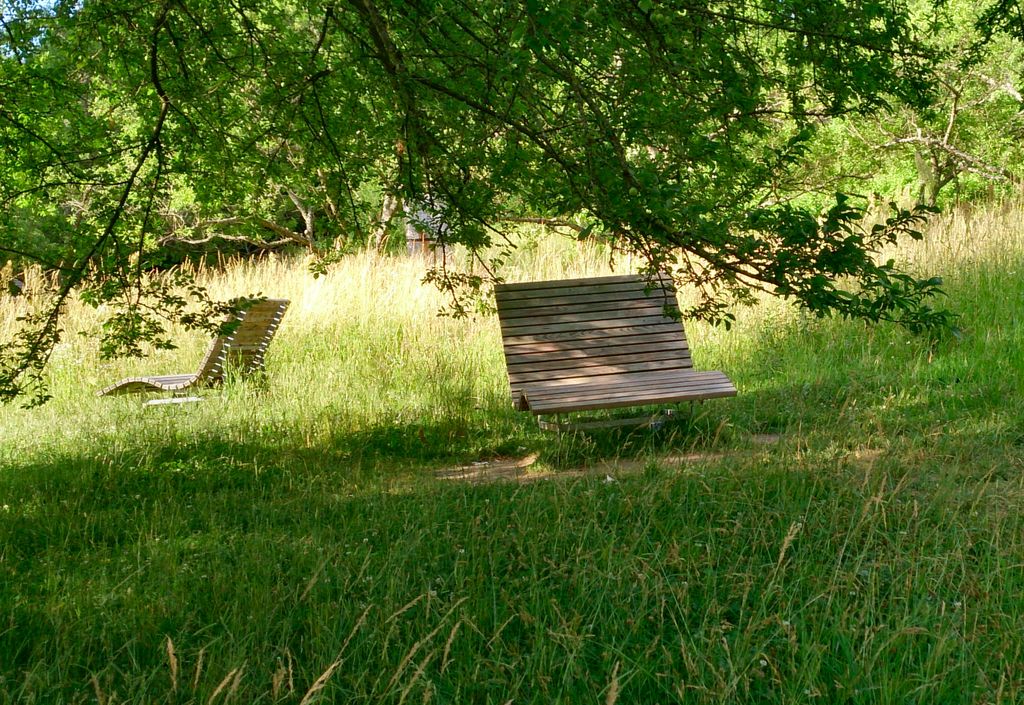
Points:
point(243, 350)
point(574, 330)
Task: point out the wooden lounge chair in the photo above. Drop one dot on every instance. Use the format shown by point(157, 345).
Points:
point(241, 351)
point(585, 344)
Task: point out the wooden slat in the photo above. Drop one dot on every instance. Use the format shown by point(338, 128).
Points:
point(657, 304)
point(612, 317)
point(597, 366)
point(596, 386)
point(620, 292)
point(571, 283)
point(249, 337)
point(261, 318)
point(265, 311)
point(270, 305)
point(615, 309)
point(622, 393)
point(590, 334)
point(625, 383)
point(612, 383)
point(134, 385)
point(580, 357)
point(604, 403)
point(169, 379)
point(243, 335)
point(244, 352)
point(595, 302)
point(635, 397)
point(629, 321)
point(685, 385)
point(596, 346)
point(590, 367)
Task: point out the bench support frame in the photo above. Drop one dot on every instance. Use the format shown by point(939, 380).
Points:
point(655, 420)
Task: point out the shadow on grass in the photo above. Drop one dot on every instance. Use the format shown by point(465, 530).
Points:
point(241, 559)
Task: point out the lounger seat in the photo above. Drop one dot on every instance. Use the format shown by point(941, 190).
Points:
point(242, 352)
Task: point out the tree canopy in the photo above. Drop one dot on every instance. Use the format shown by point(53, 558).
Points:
point(676, 128)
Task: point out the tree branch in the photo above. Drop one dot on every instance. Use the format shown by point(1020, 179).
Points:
point(975, 164)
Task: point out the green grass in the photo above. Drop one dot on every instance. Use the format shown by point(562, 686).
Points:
point(293, 543)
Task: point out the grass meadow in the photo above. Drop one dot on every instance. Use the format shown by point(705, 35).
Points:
point(849, 529)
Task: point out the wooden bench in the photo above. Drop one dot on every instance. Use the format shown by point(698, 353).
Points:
point(600, 343)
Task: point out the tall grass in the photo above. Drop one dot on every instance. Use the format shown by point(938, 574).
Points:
point(364, 343)
point(293, 543)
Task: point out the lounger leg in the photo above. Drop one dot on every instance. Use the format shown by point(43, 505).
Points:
point(170, 400)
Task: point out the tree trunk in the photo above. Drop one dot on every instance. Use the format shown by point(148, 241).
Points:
point(391, 204)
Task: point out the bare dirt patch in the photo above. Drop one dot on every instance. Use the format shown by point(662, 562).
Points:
point(491, 470)
point(525, 469)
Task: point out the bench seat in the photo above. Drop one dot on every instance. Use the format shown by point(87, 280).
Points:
point(599, 343)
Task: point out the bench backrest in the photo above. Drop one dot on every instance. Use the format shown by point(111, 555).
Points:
point(244, 349)
point(575, 330)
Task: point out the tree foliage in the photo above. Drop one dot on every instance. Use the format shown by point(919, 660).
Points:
point(673, 127)
point(965, 144)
